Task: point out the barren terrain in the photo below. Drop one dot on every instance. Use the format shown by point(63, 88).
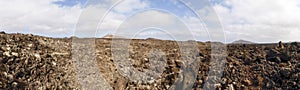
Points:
point(36, 62)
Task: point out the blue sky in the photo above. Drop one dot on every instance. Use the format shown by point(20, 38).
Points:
point(174, 6)
point(179, 9)
point(70, 3)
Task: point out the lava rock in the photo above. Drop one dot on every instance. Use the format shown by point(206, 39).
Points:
point(2, 32)
point(285, 72)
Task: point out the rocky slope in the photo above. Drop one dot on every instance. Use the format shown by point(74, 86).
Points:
point(35, 62)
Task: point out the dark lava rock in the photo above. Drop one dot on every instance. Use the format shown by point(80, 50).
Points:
point(278, 56)
point(273, 56)
point(285, 57)
point(285, 73)
point(298, 66)
point(2, 32)
point(295, 44)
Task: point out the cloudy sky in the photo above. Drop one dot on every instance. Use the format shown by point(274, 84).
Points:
point(203, 20)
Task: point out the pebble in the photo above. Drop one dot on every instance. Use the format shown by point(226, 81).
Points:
point(37, 55)
point(224, 80)
point(53, 63)
point(15, 54)
point(29, 45)
point(247, 82)
point(230, 87)
point(5, 74)
point(7, 54)
point(10, 77)
point(14, 84)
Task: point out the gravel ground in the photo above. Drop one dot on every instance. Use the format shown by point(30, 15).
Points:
point(36, 62)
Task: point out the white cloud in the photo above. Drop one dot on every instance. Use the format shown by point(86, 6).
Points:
point(151, 18)
point(163, 24)
point(261, 21)
point(38, 17)
point(43, 17)
point(145, 19)
point(100, 19)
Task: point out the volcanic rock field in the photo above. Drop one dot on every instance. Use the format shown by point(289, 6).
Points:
point(30, 62)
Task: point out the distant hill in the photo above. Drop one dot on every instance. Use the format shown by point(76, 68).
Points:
point(151, 38)
point(242, 42)
point(112, 36)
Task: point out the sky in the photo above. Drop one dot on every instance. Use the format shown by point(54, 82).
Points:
point(260, 21)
